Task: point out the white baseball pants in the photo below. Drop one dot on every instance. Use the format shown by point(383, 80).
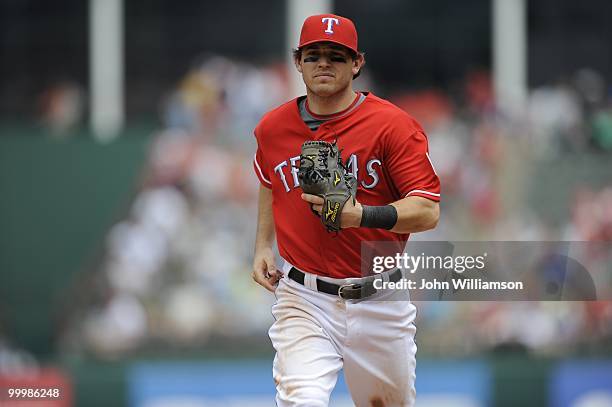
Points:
point(317, 334)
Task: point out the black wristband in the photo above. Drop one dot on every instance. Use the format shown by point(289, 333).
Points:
point(379, 217)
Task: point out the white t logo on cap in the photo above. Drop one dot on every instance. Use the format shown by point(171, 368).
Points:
point(330, 24)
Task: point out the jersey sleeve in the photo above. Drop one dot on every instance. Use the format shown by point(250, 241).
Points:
point(408, 163)
point(260, 165)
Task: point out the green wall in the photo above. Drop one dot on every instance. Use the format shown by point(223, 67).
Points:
point(57, 199)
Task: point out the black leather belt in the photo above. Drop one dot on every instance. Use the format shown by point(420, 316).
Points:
point(355, 291)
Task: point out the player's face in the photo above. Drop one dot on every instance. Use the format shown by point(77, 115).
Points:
point(327, 69)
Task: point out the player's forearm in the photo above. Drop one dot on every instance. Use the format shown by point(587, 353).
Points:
point(408, 215)
point(416, 214)
point(265, 220)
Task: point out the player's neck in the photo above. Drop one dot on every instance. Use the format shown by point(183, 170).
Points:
point(326, 105)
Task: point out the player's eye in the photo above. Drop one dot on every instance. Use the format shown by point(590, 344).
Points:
point(333, 58)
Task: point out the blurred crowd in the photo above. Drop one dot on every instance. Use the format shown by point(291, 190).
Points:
point(176, 269)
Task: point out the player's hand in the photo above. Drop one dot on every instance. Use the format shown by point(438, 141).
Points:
point(264, 269)
point(351, 213)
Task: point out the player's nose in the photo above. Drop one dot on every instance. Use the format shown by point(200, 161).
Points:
point(324, 60)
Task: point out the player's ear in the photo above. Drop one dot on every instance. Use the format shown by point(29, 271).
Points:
point(297, 58)
point(298, 65)
point(358, 62)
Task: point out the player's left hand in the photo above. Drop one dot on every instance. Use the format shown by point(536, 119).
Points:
point(350, 216)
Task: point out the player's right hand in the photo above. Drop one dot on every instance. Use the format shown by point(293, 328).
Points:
point(264, 269)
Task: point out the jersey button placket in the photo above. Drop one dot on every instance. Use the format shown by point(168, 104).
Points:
point(322, 132)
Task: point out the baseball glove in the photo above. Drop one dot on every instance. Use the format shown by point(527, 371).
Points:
point(322, 173)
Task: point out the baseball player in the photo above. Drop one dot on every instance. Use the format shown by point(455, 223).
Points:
point(325, 320)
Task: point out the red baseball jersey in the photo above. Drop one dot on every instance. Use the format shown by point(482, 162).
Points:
point(386, 150)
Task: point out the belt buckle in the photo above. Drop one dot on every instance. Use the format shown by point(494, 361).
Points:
point(352, 286)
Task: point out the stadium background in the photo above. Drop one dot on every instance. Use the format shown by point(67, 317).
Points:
point(125, 262)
